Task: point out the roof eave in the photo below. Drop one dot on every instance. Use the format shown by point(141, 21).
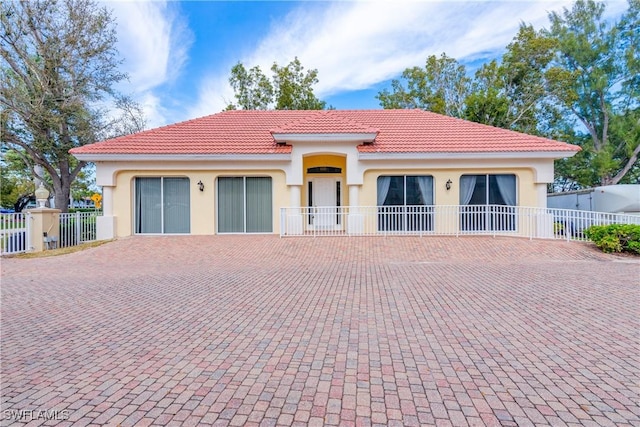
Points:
point(130, 157)
point(466, 155)
point(359, 137)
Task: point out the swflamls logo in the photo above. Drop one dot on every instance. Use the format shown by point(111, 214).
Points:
point(35, 414)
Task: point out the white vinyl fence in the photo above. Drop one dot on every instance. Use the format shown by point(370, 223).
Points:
point(528, 222)
point(14, 233)
point(77, 228)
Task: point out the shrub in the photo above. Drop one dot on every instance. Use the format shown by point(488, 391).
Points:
point(74, 210)
point(615, 237)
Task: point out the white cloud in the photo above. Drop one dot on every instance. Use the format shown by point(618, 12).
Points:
point(355, 45)
point(154, 41)
point(213, 96)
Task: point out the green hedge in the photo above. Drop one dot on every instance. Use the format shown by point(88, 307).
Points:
point(615, 237)
point(74, 210)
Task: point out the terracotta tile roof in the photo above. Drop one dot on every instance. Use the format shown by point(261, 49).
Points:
point(406, 131)
point(250, 132)
point(325, 121)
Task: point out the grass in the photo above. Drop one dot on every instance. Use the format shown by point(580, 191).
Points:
point(60, 251)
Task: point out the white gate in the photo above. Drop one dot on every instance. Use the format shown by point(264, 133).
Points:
point(15, 233)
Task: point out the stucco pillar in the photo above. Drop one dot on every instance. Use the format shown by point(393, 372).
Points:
point(354, 193)
point(293, 219)
point(45, 229)
point(544, 219)
point(294, 192)
point(355, 220)
point(106, 223)
point(541, 189)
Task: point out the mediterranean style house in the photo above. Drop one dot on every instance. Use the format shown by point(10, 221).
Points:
point(289, 172)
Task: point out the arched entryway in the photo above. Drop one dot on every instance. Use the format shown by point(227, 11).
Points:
point(324, 191)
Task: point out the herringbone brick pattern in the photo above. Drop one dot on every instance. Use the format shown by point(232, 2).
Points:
point(257, 330)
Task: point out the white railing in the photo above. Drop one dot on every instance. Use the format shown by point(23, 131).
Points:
point(76, 228)
point(529, 222)
point(15, 232)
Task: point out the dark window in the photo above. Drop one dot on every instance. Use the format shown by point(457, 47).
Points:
point(324, 169)
point(488, 202)
point(405, 203)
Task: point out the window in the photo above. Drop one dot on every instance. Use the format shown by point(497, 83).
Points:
point(405, 203)
point(244, 205)
point(489, 202)
point(162, 205)
point(324, 169)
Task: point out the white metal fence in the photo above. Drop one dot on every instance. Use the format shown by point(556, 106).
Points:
point(453, 220)
point(15, 233)
point(76, 228)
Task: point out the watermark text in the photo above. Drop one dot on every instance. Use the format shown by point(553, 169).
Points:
point(36, 414)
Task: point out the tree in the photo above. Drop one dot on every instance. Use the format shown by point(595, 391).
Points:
point(294, 89)
point(13, 183)
point(290, 88)
point(130, 119)
point(18, 183)
point(59, 62)
point(506, 93)
point(578, 82)
point(511, 94)
point(253, 90)
point(487, 101)
point(441, 86)
point(594, 76)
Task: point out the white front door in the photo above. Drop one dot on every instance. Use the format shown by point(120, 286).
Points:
point(324, 212)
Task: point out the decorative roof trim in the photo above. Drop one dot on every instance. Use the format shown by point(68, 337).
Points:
point(325, 137)
point(467, 155)
point(318, 118)
point(91, 157)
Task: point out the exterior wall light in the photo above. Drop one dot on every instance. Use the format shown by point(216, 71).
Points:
point(448, 184)
point(200, 185)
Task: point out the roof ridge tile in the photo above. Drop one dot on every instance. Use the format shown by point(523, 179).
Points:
point(352, 126)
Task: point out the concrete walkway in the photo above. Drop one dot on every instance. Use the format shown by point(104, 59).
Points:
point(258, 330)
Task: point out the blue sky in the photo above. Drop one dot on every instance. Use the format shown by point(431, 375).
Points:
point(179, 54)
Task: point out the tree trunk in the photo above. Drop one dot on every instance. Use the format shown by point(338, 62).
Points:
point(62, 191)
point(627, 167)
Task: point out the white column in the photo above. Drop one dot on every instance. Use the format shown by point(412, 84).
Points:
point(544, 219)
point(541, 189)
point(293, 218)
point(106, 223)
point(294, 191)
point(353, 195)
point(107, 201)
point(355, 221)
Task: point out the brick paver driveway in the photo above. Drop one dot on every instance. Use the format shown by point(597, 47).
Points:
point(249, 330)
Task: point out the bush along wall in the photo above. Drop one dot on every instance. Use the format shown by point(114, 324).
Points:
point(616, 237)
